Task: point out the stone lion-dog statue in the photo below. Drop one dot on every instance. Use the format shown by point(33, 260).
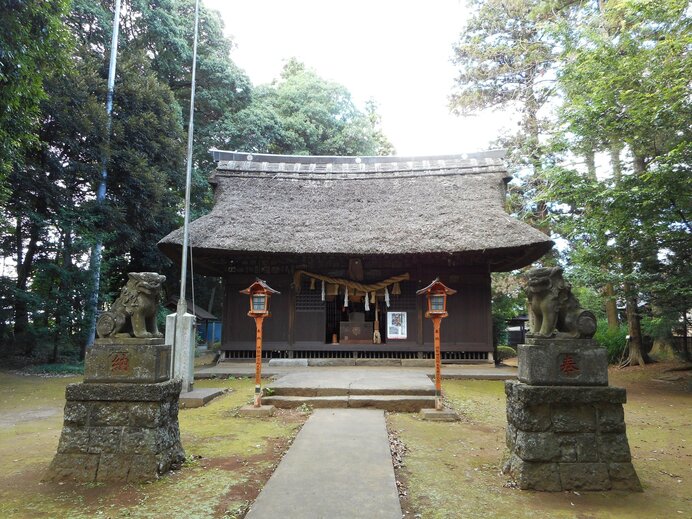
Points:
point(553, 310)
point(134, 312)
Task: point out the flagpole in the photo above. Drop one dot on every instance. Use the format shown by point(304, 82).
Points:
point(182, 305)
point(182, 358)
point(95, 259)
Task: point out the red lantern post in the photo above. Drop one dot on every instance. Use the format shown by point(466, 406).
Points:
point(259, 293)
point(436, 294)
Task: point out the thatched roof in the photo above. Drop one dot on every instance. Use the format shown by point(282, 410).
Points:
point(362, 206)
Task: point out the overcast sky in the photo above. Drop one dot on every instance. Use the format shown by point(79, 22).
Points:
point(396, 52)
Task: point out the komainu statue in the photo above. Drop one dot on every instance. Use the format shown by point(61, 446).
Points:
point(134, 313)
point(553, 309)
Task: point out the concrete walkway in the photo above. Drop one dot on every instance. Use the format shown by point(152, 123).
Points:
point(339, 467)
point(451, 371)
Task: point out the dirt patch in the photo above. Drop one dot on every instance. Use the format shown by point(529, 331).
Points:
point(13, 418)
point(398, 450)
point(660, 378)
point(256, 471)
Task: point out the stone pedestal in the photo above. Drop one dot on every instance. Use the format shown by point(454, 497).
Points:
point(118, 433)
point(121, 424)
point(567, 437)
point(180, 331)
point(128, 360)
point(443, 415)
point(562, 362)
point(262, 411)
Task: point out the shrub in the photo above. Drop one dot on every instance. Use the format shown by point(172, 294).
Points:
point(505, 352)
point(499, 329)
point(658, 328)
point(614, 341)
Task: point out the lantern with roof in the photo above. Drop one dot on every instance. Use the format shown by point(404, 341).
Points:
point(260, 293)
point(436, 294)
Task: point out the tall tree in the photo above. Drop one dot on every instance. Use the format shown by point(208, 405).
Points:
point(505, 58)
point(159, 33)
point(33, 43)
point(52, 219)
point(625, 85)
point(303, 114)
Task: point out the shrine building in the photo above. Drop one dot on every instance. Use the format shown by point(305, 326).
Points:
point(347, 241)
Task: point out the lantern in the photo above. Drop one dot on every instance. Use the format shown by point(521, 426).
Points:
point(436, 293)
point(259, 293)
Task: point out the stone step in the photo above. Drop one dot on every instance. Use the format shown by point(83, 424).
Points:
point(345, 391)
point(198, 397)
point(402, 403)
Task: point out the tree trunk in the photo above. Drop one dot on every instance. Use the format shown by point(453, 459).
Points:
point(615, 163)
point(62, 303)
point(25, 264)
point(611, 307)
point(634, 328)
point(685, 336)
point(590, 159)
point(534, 149)
point(611, 302)
point(638, 164)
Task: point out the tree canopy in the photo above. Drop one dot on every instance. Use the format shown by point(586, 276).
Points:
point(33, 45)
point(589, 78)
point(303, 114)
point(53, 71)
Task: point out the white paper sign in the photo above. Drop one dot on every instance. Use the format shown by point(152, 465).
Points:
point(396, 325)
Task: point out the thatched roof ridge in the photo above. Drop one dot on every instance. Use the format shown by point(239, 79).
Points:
point(361, 206)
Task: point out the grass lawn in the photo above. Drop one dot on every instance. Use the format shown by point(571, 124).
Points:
point(452, 470)
point(229, 457)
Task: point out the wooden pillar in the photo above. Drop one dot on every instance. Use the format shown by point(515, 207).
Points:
point(420, 303)
point(438, 363)
point(258, 361)
point(291, 312)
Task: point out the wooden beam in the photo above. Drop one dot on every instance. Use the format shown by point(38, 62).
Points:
point(291, 312)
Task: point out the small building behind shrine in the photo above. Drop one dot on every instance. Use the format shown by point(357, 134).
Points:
point(348, 241)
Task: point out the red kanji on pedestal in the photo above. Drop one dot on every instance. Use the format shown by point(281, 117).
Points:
point(120, 362)
point(569, 365)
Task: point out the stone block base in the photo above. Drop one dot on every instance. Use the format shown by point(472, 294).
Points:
point(262, 411)
point(568, 438)
point(118, 433)
point(444, 415)
point(129, 361)
point(562, 362)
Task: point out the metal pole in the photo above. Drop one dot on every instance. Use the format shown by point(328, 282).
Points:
point(182, 305)
point(258, 361)
point(95, 259)
point(182, 342)
point(438, 379)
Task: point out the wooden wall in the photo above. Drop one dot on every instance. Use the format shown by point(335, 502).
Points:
point(302, 326)
point(469, 325)
point(239, 328)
